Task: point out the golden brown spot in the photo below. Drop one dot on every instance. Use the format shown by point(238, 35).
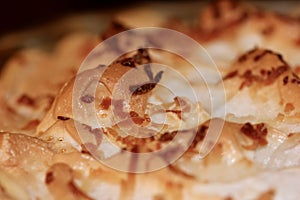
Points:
point(289, 107)
point(295, 79)
point(158, 197)
point(267, 77)
point(290, 135)
point(104, 115)
point(50, 138)
point(132, 143)
point(242, 58)
point(128, 62)
point(249, 78)
point(267, 31)
point(280, 116)
point(105, 104)
point(275, 73)
point(257, 133)
point(167, 136)
point(259, 56)
point(285, 80)
point(136, 118)
point(49, 177)
point(231, 75)
point(268, 195)
point(26, 100)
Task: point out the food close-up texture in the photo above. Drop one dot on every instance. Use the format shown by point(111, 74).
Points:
point(249, 86)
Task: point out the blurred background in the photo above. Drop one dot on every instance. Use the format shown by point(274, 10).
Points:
point(36, 22)
point(16, 15)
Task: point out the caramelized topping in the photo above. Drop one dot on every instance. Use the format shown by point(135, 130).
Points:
point(200, 135)
point(258, 66)
point(259, 56)
point(249, 79)
point(291, 78)
point(257, 133)
point(295, 78)
point(128, 62)
point(275, 73)
point(105, 104)
point(285, 80)
point(268, 77)
point(63, 118)
point(231, 75)
point(136, 118)
point(49, 177)
point(167, 136)
point(289, 107)
point(140, 145)
point(141, 89)
point(26, 100)
point(142, 57)
point(147, 87)
point(244, 57)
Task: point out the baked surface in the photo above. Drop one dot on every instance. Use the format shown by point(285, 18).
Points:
point(43, 155)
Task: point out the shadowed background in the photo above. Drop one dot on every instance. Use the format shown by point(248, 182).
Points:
point(35, 22)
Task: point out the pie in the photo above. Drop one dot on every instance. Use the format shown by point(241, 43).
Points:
point(133, 129)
